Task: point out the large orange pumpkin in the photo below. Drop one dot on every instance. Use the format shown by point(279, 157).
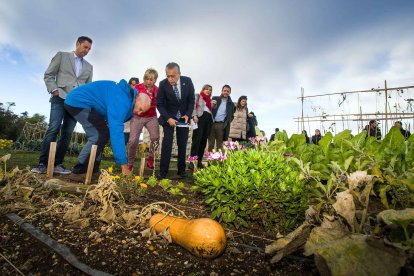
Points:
point(203, 237)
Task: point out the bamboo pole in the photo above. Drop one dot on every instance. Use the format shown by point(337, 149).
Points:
point(358, 114)
point(386, 106)
point(359, 91)
point(51, 160)
point(302, 92)
point(91, 164)
point(355, 120)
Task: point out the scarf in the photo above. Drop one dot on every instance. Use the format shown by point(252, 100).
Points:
point(206, 98)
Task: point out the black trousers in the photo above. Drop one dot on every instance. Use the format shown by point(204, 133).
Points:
point(167, 141)
point(200, 135)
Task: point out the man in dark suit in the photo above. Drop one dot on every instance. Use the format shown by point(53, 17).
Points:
point(66, 71)
point(175, 102)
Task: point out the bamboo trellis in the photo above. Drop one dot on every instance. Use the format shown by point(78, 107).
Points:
point(385, 116)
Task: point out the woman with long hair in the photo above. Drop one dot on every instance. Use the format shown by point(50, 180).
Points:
point(203, 118)
point(238, 127)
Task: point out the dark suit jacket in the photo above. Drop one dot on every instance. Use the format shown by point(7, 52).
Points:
point(167, 103)
point(229, 114)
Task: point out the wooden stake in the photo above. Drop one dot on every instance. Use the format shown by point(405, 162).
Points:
point(91, 164)
point(51, 162)
point(142, 167)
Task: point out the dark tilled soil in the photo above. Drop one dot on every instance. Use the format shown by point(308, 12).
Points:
point(125, 252)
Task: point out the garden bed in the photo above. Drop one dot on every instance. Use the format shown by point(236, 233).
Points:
point(126, 252)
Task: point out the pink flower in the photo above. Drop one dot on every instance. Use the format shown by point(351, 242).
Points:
point(192, 158)
point(230, 145)
point(253, 141)
point(215, 156)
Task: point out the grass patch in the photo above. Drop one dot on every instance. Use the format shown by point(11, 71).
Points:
point(24, 159)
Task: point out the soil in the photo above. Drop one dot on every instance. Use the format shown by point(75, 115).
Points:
point(126, 252)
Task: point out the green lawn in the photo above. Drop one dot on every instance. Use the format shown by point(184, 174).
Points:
point(22, 159)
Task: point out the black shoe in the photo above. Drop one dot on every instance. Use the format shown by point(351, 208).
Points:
point(182, 174)
point(79, 169)
point(160, 176)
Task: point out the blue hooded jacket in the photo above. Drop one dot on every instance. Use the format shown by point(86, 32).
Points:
point(111, 100)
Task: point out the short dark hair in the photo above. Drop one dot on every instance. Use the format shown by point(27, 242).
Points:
point(84, 38)
point(226, 85)
point(372, 121)
point(133, 79)
point(276, 129)
point(173, 65)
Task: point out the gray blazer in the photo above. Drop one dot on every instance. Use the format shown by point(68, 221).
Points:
point(61, 74)
point(201, 105)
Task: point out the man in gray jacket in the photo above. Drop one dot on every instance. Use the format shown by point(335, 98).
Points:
point(66, 71)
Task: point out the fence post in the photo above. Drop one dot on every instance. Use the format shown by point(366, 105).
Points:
point(51, 162)
point(142, 166)
point(91, 164)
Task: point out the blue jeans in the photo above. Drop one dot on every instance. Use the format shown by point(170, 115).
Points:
point(95, 128)
point(57, 115)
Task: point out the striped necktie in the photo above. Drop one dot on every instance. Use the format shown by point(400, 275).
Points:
point(177, 94)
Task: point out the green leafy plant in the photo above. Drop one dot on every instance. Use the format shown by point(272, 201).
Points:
point(165, 183)
point(181, 185)
point(175, 191)
point(254, 185)
point(183, 200)
point(390, 160)
point(152, 181)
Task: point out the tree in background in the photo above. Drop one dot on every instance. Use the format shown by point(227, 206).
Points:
point(12, 124)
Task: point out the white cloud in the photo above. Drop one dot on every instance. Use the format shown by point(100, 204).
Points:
point(266, 50)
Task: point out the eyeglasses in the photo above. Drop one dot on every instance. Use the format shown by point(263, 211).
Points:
point(171, 76)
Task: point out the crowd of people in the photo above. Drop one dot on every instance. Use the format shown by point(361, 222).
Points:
point(118, 111)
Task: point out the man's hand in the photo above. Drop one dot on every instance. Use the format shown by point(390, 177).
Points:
point(195, 119)
point(213, 102)
point(185, 118)
point(172, 122)
point(55, 93)
point(125, 171)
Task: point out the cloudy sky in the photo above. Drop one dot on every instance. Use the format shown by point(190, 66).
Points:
point(266, 50)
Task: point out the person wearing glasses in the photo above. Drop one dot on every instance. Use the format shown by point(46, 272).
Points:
point(175, 103)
